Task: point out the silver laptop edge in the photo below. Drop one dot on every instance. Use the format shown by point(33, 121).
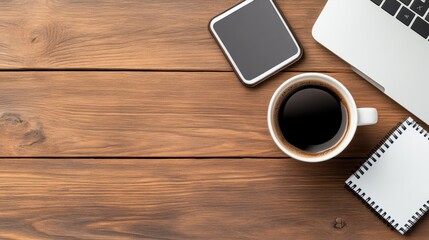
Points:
point(384, 51)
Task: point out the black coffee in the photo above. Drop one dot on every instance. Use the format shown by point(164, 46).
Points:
point(311, 118)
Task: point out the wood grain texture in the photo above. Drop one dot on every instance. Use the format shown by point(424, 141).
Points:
point(184, 199)
point(150, 35)
point(155, 114)
point(186, 132)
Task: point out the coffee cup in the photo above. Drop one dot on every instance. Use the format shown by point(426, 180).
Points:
point(312, 117)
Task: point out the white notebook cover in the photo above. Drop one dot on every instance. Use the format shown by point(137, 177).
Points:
point(394, 180)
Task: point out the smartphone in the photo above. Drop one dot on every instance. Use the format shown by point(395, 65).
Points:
point(256, 40)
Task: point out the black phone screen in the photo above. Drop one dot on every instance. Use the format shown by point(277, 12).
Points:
point(256, 38)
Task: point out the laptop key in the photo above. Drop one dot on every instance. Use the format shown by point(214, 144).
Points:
point(421, 27)
point(405, 16)
point(391, 6)
point(420, 7)
point(406, 2)
point(378, 2)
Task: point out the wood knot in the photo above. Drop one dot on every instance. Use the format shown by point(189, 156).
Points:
point(10, 119)
point(18, 133)
point(339, 223)
point(32, 137)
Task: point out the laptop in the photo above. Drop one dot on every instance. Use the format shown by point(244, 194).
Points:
point(386, 42)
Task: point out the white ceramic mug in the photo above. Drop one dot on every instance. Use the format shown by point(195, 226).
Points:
point(355, 116)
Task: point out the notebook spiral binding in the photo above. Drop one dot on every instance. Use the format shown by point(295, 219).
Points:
point(381, 148)
point(372, 158)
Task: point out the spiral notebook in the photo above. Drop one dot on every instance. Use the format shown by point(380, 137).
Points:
point(394, 179)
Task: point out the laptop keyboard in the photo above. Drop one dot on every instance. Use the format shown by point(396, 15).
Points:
point(412, 13)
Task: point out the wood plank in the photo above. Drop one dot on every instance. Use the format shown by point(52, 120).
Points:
point(184, 199)
point(150, 35)
point(152, 114)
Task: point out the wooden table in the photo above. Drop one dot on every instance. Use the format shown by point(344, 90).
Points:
point(123, 120)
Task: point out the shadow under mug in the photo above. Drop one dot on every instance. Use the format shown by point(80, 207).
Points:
point(355, 116)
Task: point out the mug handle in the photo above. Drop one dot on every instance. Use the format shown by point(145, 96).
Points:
point(367, 116)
